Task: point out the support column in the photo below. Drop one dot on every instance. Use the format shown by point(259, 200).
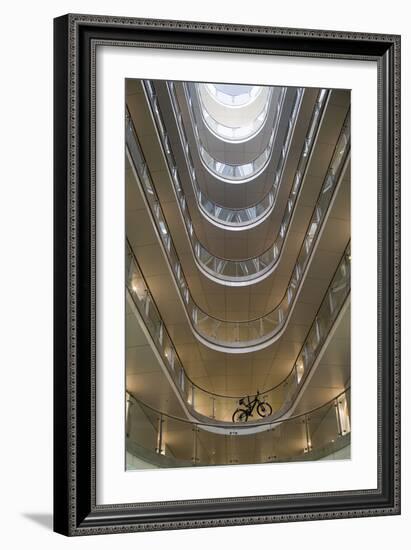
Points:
point(160, 444)
point(308, 447)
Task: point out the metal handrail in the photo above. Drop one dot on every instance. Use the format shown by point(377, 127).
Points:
point(237, 425)
point(183, 382)
point(246, 265)
point(264, 205)
point(295, 277)
point(236, 397)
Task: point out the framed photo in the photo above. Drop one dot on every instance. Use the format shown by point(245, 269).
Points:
point(227, 278)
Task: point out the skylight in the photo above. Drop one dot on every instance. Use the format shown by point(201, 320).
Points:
point(234, 94)
point(234, 112)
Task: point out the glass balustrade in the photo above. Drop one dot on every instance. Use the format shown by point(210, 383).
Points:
point(259, 211)
point(245, 170)
point(235, 123)
point(234, 134)
point(202, 403)
point(229, 218)
point(170, 441)
point(237, 173)
point(233, 173)
point(252, 270)
point(253, 334)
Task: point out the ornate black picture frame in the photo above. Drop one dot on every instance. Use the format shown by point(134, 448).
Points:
point(76, 38)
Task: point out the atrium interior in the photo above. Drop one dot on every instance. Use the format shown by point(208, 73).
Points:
point(237, 274)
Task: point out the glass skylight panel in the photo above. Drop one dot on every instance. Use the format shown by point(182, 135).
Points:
point(234, 94)
point(234, 112)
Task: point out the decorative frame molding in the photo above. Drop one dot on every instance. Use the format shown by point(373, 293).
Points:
point(75, 42)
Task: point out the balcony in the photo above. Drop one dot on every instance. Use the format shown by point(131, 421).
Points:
point(202, 405)
point(237, 336)
point(163, 440)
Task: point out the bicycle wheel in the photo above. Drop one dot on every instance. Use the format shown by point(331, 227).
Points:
point(240, 415)
point(264, 409)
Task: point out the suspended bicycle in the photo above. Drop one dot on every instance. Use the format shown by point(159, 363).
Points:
point(242, 414)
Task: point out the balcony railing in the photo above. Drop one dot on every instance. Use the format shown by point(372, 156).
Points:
point(251, 270)
point(169, 441)
point(253, 334)
point(234, 218)
point(240, 172)
point(220, 215)
point(244, 126)
point(204, 404)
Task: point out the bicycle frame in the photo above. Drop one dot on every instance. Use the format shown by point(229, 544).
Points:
point(250, 405)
